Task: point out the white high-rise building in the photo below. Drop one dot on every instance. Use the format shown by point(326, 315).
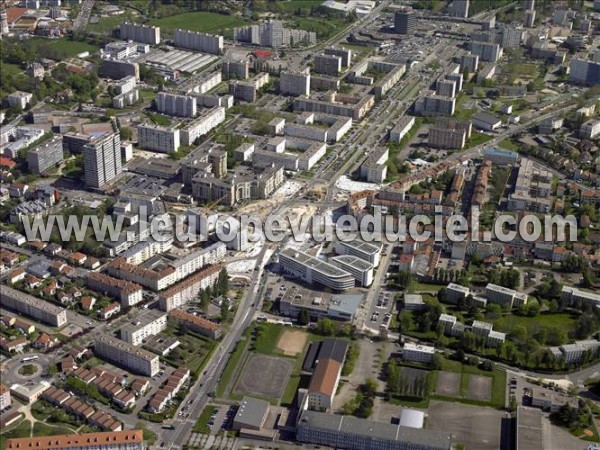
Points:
point(157, 138)
point(102, 160)
point(140, 33)
point(460, 8)
point(202, 42)
point(176, 105)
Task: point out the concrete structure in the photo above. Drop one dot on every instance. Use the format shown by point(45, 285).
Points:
point(30, 306)
point(45, 156)
point(456, 292)
point(111, 440)
point(251, 414)
point(533, 189)
point(577, 297)
point(405, 21)
point(343, 53)
point(487, 51)
point(418, 353)
point(469, 63)
point(19, 99)
point(460, 8)
point(402, 128)
point(435, 105)
point(368, 251)
point(294, 83)
point(590, 129)
point(176, 105)
point(328, 64)
point(584, 71)
point(159, 139)
point(412, 418)
point(202, 125)
point(119, 69)
point(529, 21)
point(500, 156)
point(148, 322)
point(102, 160)
point(336, 104)
point(272, 34)
point(351, 433)
point(235, 69)
point(314, 271)
point(127, 356)
point(181, 293)
point(449, 134)
point(504, 296)
point(446, 88)
point(140, 33)
point(485, 121)
point(202, 42)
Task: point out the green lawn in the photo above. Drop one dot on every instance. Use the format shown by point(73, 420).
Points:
point(159, 119)
point(71, 48)
point(107, 24)
point(477, 138)
point(9, 69)
point(42, 429)
point(233, 362)
point(508, 145)
point(418, 287)
point(323, 27)
point(267, 335)
point(508, 323)
point(147, 95)
point(206, 22)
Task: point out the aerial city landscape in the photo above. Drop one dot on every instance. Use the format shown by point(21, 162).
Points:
point(284, 224)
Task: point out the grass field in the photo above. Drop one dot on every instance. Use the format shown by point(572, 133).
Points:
point(420, 287)
point(206, 22)
point(477, 138)
point(10, 69)
point(233, 362)
point(201, 425)
point(107, 24)
point(508, 323)
point(19, 430)
point(522, 70)
point(508, 145)
point(71, 48)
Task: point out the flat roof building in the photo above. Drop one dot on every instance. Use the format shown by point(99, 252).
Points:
point(112, 440)
point(126, 355)
point(360, 269)
point(146, 323)
point(368, 251)
point(33, 307)
point(251, 414)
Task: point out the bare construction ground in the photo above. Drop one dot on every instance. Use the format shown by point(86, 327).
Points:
point(292, 342)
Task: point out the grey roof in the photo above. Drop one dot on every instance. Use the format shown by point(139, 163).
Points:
point(332, 348)
point(349, 426)
point(486, 118)
point(529, 429)
point(252, 412)
point(345, 303)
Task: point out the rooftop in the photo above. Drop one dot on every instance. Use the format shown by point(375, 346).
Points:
point(252, 412)
point(76, 441)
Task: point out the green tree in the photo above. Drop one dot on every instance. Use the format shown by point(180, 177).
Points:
point(303, 317)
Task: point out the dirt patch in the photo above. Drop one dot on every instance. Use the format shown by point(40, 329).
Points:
point(292, 342)
point(480, 388)
point(265, 376)
point(448, 384)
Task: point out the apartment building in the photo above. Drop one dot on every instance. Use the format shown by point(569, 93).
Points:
point(327, 64)
point(188, 289)
point(446, 88)
point(435, 105)
point(176, 105)
point(368, 251)
point(30, 306)
point(405, 22)
point(146, 323)
point(126, 356)
point(456, 292)
point(584, 71)
point(110, 440)
point(312, 270)
point(272, 34)
point(101, 160)
point(402, 128)
point(115, 69)
point(504, 296)
point(202, 42)
point(235, 69)
point(195, 323)
point(533, 189)
point(130, 98)
point(294, 83)
point(336, 104)
point(159, 139)
point(418, 353)
point(19, 99)
point(127, 293)
point(469, 63)
point(145, 250)
point(5, 399)
point(487, 51)
point(45, 156)
point(577, 297)
point(140, 33)
point(343, 53)
point(202, 125)
point(590, 129)
point(447, 322)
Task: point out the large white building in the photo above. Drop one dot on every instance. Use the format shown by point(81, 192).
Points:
point(176, 105)
point(360, 269)
point(576, 297)
point(202, 42)
point(19, 99)
point(102, 160)
point(504, 296)
point(590, 129)
point(33, 307)
point(314, 271)
point(157, 138)
point(418, 353)
point(402, 128)
point(294, 83)
point(202, 125)
point(368, 251)
point(146, 323)
point(127, 356)
point(140, 33)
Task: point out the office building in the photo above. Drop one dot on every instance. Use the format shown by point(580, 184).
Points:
point(147, 322)
point(127, 293)
point(487, 51)
point(110, 440)
point(577, 297)
point(45, 156)
point(117, 70)
point(361, 270)
point(418, 353)
point(102, 160)
point(405, 22)
point(323, 385)
point(196, 324)
point(402, 128)
point(126, 356)
point(200, 126)
point(327, 64)
point(314, 271)
point(294, 83)
point(202, 42)
point(140, 33)
point(157, 138)
point(188, 289)
point(235, 69)
point(343, 53)
point(30, 306)
point(176, 105)
point(368, 251)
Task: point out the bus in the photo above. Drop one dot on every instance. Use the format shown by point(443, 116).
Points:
point(29, 358)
